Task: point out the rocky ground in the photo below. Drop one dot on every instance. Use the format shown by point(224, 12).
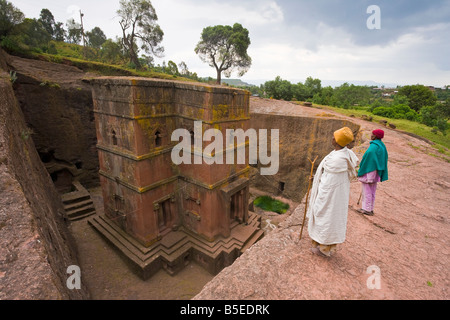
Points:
point(404, 245)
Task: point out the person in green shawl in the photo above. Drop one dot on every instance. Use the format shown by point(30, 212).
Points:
point(372, 169)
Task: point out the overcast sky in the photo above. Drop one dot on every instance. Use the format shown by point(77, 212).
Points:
point(294, 39)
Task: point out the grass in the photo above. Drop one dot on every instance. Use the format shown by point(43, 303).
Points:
point(442, 143)
point(269, 204)
point(71, 54)
point(103, 68)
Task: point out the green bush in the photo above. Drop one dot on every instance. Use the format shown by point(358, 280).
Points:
point(269, 204)
point(412, 116)
point(13, 43)
point(432, 116)
point(400, 111)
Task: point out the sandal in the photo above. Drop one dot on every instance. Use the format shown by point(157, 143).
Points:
point(319, 253)
point(367, 213)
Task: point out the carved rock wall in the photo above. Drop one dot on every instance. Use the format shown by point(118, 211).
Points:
point(35, 245)
point(57, 106)
point(302, 136)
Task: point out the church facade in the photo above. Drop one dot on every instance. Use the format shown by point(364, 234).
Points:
point(159, 214)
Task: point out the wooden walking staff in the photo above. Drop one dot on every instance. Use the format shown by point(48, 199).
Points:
point(307, 194)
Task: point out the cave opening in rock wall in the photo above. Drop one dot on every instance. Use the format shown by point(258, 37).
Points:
point(47, 157)
point(62, 180)
point(281, 186)
point(79, 165)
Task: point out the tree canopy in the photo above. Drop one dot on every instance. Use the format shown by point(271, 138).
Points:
point(225, 49)
point(96, 38)
point(138, 22)
point(48, 21)
point(418, 96)
point(74, 31)
point(10, 16)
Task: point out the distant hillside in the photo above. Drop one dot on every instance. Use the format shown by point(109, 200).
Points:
point(369, 83)
point(332, 83)
point(236, 82)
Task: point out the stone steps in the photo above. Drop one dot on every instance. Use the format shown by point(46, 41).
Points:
point(78, 204)
point(175, 247)
point(166, 247)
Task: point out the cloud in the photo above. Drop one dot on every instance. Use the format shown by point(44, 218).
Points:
point(221, 12)
point(330, 40)
point(397, 17)
point(73, 12)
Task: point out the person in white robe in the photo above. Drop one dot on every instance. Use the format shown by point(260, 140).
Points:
point(329, 196)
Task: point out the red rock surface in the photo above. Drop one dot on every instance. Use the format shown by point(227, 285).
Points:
point(407, 238)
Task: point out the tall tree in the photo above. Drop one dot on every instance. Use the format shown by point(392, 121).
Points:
point(74, 31)
point(313, 86)
point(48, 21)
point(225, 49)
point(418, 96)
point(112, 52)
point(33, 33)
point(348, 95)
point(10, 16)
point(53, 28)
point(96, 37)
point(182, 66)
point(138, 22)
point(279, 89)
point(59, 33)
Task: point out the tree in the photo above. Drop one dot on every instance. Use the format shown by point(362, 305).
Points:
point(147, 61)
point(138, 22)
point(279, 89)
point(53, 28)
point(10, 16)
point(172, 68)
point(33, 33)
point(225, 49)
point(432, 116)
point(48, 21)
point(59, 34)
point(184, 71)
point(444, 108)
point(347, 96)
point(112, 52)
point(325, 96)
point(313, 86)
point(418, 96)
point(74, 31)
point(96, 37)
point(300, 91)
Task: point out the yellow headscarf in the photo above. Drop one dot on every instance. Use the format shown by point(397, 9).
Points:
point(343, 136)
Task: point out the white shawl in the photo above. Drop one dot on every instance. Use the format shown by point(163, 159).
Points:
point(329, 197)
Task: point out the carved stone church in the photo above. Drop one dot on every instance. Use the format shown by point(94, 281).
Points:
point(162, 215)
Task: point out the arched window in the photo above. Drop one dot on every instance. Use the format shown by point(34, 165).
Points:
point(158, 139)
point(114, 138)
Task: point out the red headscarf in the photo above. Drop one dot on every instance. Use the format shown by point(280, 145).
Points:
point(378, 133)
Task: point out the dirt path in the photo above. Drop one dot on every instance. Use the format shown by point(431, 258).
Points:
point(406, 241)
